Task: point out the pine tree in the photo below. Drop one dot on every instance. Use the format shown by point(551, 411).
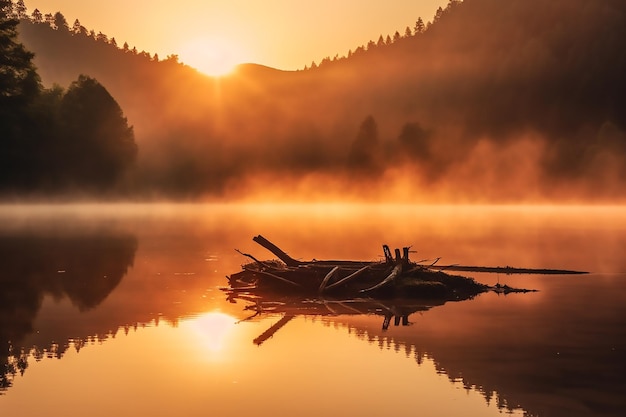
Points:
point(20, 9)
point(19, 88)
point(419, 26)
point(60, 22)
point(37, 16)
point(18, 77)
point(101, 37)
point(438, 14)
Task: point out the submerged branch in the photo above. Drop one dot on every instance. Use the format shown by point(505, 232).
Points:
point(510, 270)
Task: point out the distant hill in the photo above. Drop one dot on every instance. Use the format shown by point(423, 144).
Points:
point(503, 100)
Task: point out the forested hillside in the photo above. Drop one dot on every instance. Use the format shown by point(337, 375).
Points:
point(505, 100)
point(56, 141)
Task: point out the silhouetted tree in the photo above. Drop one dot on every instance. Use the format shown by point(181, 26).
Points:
point(98, 144)
point(388, 40)
point(37, 16)
point(18, 78)
point(438, 14)
point(60, 22)
point(125, 47)
point(419, 26)
point(172, 58)
point(113, 42)
point(20, 9)
point(365, 152)
point(6, 9)
point(381, 41)
point(19, 87)
point(453, 3)
point(407, 32)
point(76, 26)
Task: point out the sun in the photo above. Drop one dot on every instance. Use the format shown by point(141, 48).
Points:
point(212, 56)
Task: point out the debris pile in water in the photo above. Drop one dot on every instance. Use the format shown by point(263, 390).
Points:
point(394, 277)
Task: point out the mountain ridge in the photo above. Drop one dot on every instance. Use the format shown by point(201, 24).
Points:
point(488, 81)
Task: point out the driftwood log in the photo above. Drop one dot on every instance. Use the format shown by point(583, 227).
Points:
point(395, 276)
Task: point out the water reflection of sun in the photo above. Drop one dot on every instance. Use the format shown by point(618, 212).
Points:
point(211, 330)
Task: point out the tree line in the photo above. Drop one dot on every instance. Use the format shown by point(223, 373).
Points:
point(488, 80)
point(418, 29)
point(57, 21)
point(56, 139)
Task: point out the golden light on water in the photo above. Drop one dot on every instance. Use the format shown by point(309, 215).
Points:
point(211, 330)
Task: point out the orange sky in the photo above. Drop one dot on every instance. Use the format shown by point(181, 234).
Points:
point(284, 34)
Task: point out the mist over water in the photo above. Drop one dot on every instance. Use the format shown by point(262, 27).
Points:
point(163, 313)
point(548, 236)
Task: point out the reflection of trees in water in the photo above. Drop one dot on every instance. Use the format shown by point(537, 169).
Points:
point(551, 360)
point(392, 313)
point(571, 367)
point(83, 268)
point(456, 373)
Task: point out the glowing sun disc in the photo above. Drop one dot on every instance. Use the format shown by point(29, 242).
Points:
point(214, 57)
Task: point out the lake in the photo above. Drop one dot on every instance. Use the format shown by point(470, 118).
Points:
point(120, 310)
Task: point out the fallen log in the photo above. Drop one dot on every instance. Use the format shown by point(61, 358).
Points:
point(348, 278)
point(397, 270)
point(268, 274)
point(291, 262)
point(396, 276)
point(327, 278)
point(288, 260)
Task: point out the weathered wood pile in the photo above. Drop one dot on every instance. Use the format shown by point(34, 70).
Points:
point(394, 277)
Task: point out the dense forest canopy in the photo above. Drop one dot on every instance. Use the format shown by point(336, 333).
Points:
point(491, 100)
point(55, 140)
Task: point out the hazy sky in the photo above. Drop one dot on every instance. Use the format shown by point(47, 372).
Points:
point(285, 34)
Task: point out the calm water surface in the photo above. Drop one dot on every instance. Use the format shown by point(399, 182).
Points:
point(117, 310)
